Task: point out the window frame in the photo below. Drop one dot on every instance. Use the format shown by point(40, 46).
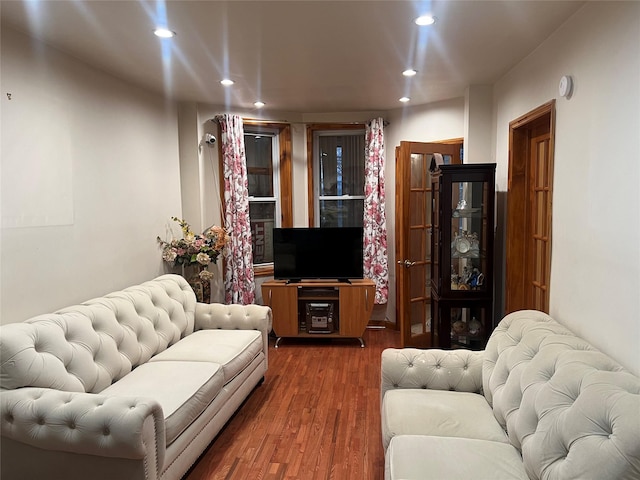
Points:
point(274, 170)
point(314, 130)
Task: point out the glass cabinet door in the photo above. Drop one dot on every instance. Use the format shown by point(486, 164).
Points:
point(468, 327)
point(462, 245)
point(469, 236)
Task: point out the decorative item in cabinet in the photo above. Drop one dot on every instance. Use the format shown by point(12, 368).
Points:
point(462, 248)
point(320, 317)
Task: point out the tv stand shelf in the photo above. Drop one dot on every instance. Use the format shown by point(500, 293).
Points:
point(351, 305)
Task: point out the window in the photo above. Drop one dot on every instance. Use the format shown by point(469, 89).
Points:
point(337, 176)
point(269, 169)
point(264, 202)
point(268, 153)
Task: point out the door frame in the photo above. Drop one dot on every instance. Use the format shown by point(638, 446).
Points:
point(518, 256)
point(403, 285)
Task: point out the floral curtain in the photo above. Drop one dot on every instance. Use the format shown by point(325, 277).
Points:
point(375, 225)
point(239, 282)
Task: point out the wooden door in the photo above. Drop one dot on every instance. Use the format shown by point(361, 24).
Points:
point(540, 214)
point(529, 207)
point(413, 237)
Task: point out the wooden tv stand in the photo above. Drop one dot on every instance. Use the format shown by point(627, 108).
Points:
point(351, 304)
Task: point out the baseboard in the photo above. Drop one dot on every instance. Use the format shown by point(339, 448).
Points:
point(374, 324)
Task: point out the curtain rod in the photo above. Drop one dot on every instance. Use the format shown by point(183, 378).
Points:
point(261, 120)
point(256, 120)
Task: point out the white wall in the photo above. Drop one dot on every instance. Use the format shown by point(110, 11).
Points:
point(97, 154)
point(424, 123)
point(595, 274)
point(478, 124)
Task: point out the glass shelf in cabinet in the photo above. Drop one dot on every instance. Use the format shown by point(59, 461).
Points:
point(467, 213)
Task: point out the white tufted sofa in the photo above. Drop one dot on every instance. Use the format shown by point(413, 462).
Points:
point(537, 403)
point(132, 385)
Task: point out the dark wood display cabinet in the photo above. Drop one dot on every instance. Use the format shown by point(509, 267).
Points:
point(462, 255)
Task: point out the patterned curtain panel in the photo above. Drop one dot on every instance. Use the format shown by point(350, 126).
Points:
point(375, 225)
point(239, 282)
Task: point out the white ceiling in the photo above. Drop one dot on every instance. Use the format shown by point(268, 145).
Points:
point(306, 56)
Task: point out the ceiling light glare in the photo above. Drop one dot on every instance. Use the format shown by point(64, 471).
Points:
point(258, 104)
point(164, 33)
point(227, 82)
point(404, 99)
point(425, 20)
point(409, 73)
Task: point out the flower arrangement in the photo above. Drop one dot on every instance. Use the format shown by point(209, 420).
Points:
point(194, 249)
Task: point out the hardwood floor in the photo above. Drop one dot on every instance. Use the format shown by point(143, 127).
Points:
point(316, 416)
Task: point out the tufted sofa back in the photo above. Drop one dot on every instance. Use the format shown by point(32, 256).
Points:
point(571, 410)
point(86, 347)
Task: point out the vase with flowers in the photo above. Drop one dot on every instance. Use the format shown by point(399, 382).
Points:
point(193, 253)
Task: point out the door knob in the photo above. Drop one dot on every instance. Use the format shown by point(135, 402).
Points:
point(406, 263)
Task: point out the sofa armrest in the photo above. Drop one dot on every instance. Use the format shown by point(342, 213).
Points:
point(459, 370)
point(84, 423)
point(235, 317)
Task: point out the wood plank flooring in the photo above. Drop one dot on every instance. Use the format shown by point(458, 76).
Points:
point(316, 416)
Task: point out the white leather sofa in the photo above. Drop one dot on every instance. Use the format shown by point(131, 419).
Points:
point(537, 403)
point(132, 385)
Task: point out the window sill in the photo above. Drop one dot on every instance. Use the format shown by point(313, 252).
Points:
point(263, 271)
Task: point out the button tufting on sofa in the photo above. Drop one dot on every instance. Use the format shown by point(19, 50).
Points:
point(556, 395)
point(52, 378)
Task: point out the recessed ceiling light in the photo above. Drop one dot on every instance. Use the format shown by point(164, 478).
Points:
point(425, 20)
point(227, 82)
point(164, 32)
point(259, 104)
point(404, 99)
point(409, 73)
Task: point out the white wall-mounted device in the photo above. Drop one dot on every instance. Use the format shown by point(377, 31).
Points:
point(565, 86)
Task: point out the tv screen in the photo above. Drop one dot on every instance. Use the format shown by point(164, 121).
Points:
point(317, 253)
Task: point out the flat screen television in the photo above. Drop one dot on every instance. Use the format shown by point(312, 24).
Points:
point(317, 253)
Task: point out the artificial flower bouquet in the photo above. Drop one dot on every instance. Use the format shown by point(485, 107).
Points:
point(194, 249)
